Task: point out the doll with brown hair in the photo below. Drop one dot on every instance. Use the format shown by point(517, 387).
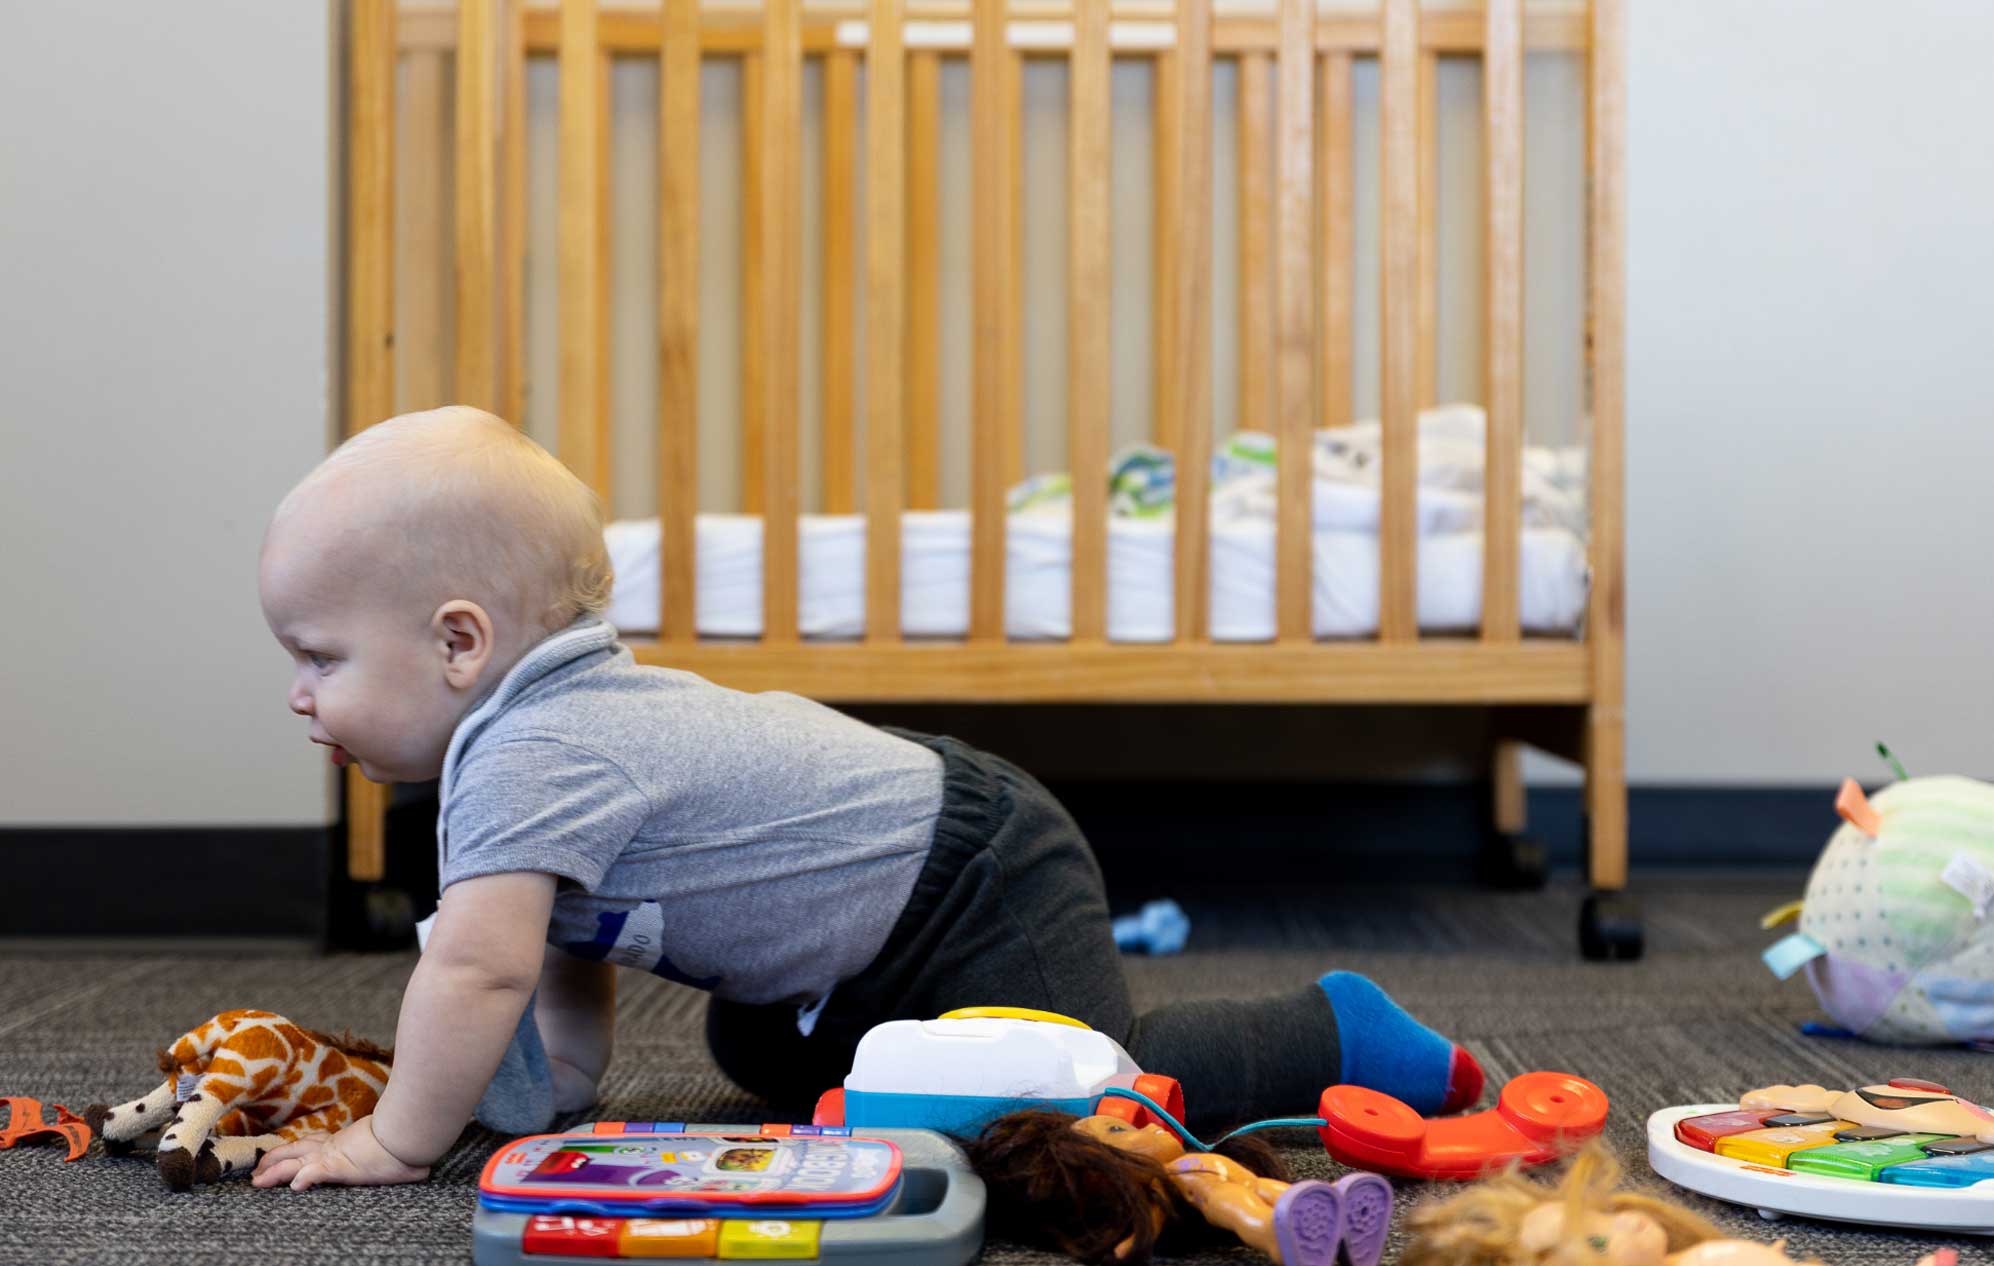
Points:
point(1102, 1190)
point(1583, 1220)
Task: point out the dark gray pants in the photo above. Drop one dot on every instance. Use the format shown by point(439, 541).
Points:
point(1010, 910)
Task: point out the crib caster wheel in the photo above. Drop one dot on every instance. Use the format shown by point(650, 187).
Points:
point(1511, 863)
point(1610, 927)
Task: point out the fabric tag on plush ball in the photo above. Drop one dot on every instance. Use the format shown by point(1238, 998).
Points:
point(1789, 954)
point(185, 1086)
point(1967, 877)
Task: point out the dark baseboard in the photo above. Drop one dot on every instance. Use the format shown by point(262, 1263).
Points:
point(166, 881)
point(1187, 830)
point(289, 882)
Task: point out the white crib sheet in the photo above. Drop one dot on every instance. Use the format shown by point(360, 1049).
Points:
point(934, 599)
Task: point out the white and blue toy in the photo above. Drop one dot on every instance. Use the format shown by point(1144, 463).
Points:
point(962, 1071)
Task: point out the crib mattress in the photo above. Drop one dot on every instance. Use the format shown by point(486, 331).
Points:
point(934, 600)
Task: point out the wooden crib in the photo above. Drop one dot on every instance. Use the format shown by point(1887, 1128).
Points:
point(1561, 694)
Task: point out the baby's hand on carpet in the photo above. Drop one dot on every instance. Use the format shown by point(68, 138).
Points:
point(352, 1158)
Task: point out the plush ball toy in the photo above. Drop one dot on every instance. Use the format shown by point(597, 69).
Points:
point(1895, 930)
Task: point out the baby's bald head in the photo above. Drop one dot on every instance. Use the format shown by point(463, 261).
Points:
point(451, 503)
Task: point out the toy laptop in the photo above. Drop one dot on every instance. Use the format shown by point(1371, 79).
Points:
point(708, 1192)
point(1906, 1153)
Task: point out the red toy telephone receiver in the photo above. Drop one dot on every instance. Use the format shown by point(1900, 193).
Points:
point(1536, 1117)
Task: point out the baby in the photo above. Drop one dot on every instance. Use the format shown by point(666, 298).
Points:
point(438, 583)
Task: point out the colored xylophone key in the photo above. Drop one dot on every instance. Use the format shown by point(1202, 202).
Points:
point(1704, 1131)
point(1946, 1164)
point(1774, 1146)
point(1861, 1160)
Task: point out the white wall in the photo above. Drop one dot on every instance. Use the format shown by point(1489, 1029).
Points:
point(1809, 273)
point(163, 378)
point(1810, 427)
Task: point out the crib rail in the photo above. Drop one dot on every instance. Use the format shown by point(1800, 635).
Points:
point(1296, 305)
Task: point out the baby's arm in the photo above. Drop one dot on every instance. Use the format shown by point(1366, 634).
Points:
point(459, 1012)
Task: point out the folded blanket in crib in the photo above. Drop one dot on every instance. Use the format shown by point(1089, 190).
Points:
point(1346, 466)
point(935, 549)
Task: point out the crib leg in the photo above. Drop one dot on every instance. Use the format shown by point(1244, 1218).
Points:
point(1609, 921)
point(1509, 859)
point(366, 826)
point(1506, 788)
point(370, 914)
point(1606, 799)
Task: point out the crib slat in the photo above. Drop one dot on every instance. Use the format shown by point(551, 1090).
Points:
point(678, 318)
point(1163, 248)
point(1427, 373)
point(512, 219)
point(782, 253)
point(1398, 320)
point(1502, 112)
point(1014, 376)
point(581, 242)
point(753, 394)
point(1294, 331)
point(605, 329)
point(1606, 740)
point(1335, 204)
point(1256, 246)
point(840, 486)
point(423, 208)
point(370, 318)
point(476, 200)
point(924, 289)
point(1191, 351)
point(994, 236)
point(885, 307)
point(370, 216)
point(1088, 278)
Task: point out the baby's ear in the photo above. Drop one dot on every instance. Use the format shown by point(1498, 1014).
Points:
point(464, 635)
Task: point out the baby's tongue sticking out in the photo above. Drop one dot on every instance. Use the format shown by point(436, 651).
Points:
point(339, 756)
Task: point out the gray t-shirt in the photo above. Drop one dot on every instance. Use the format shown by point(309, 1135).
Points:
point(756, 845)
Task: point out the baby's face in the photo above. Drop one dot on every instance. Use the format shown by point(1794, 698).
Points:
point(369, 671)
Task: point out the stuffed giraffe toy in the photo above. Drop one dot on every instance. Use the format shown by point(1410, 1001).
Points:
point(240, 1085)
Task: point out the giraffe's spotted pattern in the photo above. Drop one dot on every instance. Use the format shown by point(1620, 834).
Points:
point(261, 1081)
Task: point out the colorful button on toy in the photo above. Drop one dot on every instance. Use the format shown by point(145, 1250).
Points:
point(767, 1238)
point(1773, 1147)
point(554, 1235)
point(669, 1237)
point(1942, 1171)
point(1862, 1161)
point(1703, 1132)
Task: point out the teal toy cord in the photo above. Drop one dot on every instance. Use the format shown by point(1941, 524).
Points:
point(1162, 1114)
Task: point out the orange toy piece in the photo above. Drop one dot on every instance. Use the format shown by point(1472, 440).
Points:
point(25, 1124)
point(1537, 1118)
point(240, 1085)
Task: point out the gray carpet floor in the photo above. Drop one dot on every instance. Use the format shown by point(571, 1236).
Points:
point(1698, 1020)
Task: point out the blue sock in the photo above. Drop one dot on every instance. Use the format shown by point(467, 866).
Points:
point(1385, 1049)
point(520, 1098)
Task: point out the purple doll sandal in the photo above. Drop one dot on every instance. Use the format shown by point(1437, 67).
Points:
point(1308, 1223)
point(1367, 1217)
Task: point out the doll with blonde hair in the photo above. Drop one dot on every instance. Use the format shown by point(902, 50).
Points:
point(1586, 1219)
